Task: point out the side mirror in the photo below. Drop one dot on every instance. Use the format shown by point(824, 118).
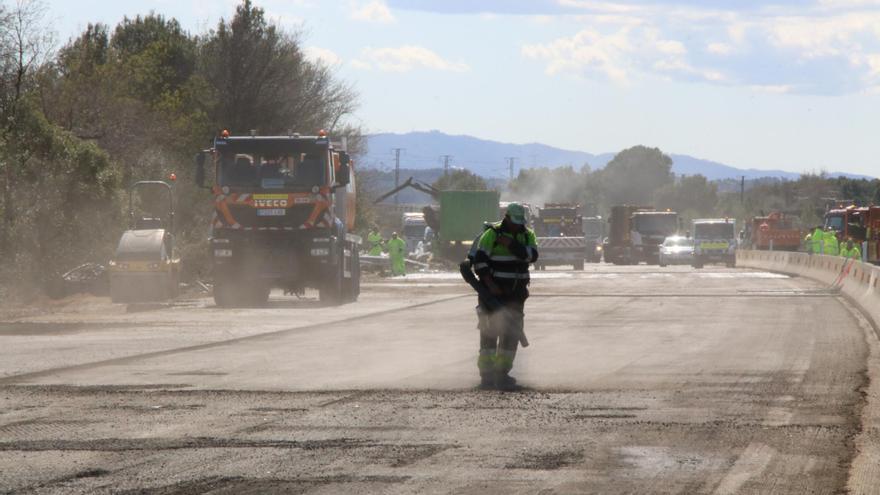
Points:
point(200, 169)
point(343, 175)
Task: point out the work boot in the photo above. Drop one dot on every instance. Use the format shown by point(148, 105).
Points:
point(505, 382)
point(487, 382)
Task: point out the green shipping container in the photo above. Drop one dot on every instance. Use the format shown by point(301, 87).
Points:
point(462, 213)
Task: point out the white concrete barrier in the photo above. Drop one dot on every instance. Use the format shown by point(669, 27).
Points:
point(853, 278)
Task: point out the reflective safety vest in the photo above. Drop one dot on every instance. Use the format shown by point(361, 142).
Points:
point(830, 244)
point(817, 240)
point(854, 253)
point(496, 259)
point(374, 239)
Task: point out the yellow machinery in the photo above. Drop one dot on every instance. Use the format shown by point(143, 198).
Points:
point(145, 267)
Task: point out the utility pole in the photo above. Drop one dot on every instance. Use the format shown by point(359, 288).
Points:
point(396, 152)
point(510, 160)
point(742, 190)
point(446, 159)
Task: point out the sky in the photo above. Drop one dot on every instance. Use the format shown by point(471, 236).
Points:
point(791, 85)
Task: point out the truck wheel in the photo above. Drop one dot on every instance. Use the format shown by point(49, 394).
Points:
point(331, 291)
point(579, 265)
point(353, 284)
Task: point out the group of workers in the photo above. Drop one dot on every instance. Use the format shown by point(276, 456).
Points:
point(824, 241)
point(395, 247)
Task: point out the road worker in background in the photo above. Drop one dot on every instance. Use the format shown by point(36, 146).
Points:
point(851, 250)
point(375, 242)
point(818, 240)
point(397, 252)
point(830, 245)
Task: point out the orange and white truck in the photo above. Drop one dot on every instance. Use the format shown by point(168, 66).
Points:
point(284, 210)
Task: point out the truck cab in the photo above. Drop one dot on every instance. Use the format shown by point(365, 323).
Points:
point(714, 241)
point(283, 217)
point(413, 231)
point(649, 230)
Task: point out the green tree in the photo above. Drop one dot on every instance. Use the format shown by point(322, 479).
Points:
point(634, 174)
point(261, 79)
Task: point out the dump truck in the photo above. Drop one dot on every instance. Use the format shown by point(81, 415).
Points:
point(284, 209)
point(777, 231)
point(413, 227)
point(560, 236)
point(617, 248)
point(145, 266)
point(649, 230)
point(636, 233)
point(594, 233)
point(714, 241)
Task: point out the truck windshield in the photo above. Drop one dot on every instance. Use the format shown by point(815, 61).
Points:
point(834, 222)
point(714, 231)
point(655, 224)
point(299, 170)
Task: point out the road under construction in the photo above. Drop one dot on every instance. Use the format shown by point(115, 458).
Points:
point(638, 380)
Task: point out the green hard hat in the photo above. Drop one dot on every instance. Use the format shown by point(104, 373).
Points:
point(517, 213)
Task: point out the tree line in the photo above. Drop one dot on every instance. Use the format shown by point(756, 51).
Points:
point(136, 101)
point(643, 176)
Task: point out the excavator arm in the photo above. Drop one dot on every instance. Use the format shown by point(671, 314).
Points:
point(418, 186)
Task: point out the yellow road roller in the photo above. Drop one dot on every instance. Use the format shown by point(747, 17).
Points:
point(145, 267)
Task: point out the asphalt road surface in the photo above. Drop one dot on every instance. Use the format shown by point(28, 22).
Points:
point(638, 380)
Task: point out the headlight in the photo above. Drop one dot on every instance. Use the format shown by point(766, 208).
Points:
point(320, 252)
point(598, 248)
point(222, 253)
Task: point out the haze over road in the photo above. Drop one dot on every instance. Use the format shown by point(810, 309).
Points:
point(638, 380)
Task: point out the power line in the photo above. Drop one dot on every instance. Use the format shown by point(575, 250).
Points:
point(510, 160)
point(396, 152)
point(446, 159)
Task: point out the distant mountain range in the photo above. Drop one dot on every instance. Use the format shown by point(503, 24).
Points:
point(425, 150)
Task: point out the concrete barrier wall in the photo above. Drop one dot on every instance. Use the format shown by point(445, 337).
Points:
point(857, 280)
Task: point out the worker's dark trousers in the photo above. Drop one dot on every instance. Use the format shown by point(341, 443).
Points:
point(499, 331)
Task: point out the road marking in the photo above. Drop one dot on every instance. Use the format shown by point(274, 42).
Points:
point(752, 462)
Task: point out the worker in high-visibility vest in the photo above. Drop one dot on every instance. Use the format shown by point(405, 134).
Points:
point(397, 252)
point(375, 242)
point(830, 245)
point(851, 250)
point(818, 240)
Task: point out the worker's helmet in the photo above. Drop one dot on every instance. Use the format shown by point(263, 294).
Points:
point(517, 213)
point(849, 242)
point(394, 235)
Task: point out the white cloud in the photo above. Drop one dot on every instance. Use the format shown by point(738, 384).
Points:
point(620, 55)
point(776, 89)
point(405, 59)
point(322, 55)
point(373, 11)
point(360, 64)
point(588, 50)
point(719, 48)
